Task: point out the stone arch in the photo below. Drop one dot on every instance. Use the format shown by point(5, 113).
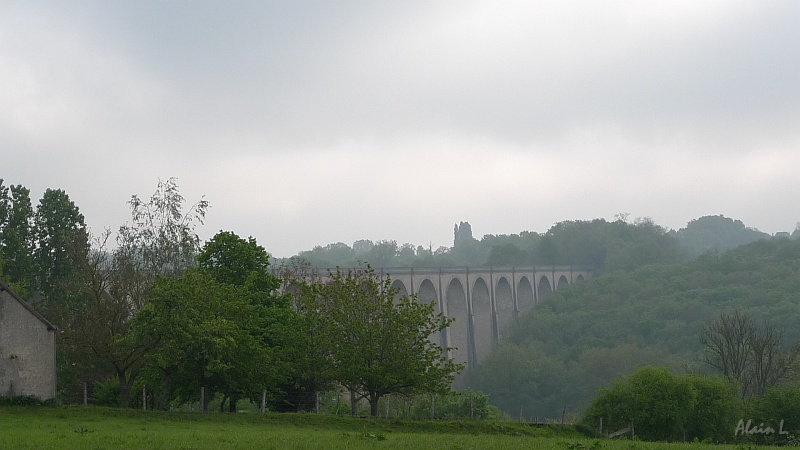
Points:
point(426, 295)
point(482, 318)
point(456, 301)
point(525, 298)
point(562, 282)
point(544, 287)
point(504, 299)
point(400, 290)
point(580, 277)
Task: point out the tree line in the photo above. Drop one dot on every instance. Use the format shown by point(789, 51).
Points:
point(244, 331)
point(604, 245)
point(164, 310)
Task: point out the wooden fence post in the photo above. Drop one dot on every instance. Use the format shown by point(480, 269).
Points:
point(263, 401)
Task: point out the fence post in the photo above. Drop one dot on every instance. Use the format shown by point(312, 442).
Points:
point(471, 413)
point(144, 397)
point(263, 401)
point(85, 395)
point(202, 399)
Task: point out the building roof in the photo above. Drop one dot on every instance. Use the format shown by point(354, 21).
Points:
point(25, 304)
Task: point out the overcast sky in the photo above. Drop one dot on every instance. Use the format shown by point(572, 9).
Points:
point(309, 123)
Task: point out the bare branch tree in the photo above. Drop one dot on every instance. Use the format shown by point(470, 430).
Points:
point(746, 354)
point(769, 364)
point(728, 342)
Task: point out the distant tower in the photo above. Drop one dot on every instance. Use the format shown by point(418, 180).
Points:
point(462, 232)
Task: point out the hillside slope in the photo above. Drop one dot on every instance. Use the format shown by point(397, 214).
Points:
point(582, 337)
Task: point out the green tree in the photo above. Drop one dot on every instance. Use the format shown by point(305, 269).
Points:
point(307, 349)
point(17, 239)
point(332, 255)
point(716, 409)
point(159, 242)
point(4, 207)
point(380, 346)
point(506, 255)
point(244, 264)
point(101, 321)
point(208, 334)
point(716, 233)
point(780, 403)
point(233, 260)
point(383, 254)
point(80, 318)
point(62, 244)
point(657, 403)
point(219, 326)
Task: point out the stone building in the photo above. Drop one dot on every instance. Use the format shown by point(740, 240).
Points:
point(27, 349)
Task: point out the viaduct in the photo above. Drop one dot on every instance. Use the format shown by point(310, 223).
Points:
point(481, 300)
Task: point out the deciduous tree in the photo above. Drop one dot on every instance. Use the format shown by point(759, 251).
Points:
point(159, 242)
point(378, 345)
point(209, 334)
point(656, 402)
point(216, 324)
point(308, 350)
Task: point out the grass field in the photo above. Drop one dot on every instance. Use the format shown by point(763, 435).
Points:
point(108, 428)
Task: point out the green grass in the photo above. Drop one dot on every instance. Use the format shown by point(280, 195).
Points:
point(108, 428)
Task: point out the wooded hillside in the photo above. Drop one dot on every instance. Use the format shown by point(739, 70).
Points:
point(582, 337)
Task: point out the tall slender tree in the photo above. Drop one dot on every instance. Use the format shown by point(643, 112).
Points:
point(160, 240)
point(62, 245)
point(4, 206)
point(5, 202)
point(17, 238)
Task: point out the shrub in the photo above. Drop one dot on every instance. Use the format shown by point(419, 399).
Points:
point(106, 393)
point(657, 403)
point(716, 411)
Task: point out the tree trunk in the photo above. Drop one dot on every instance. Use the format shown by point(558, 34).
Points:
point(222, 403)
point(164, 394)
point(206, 399)
point(353, 404)
point(373, 405)
point(125, 384)
point(232, 403)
